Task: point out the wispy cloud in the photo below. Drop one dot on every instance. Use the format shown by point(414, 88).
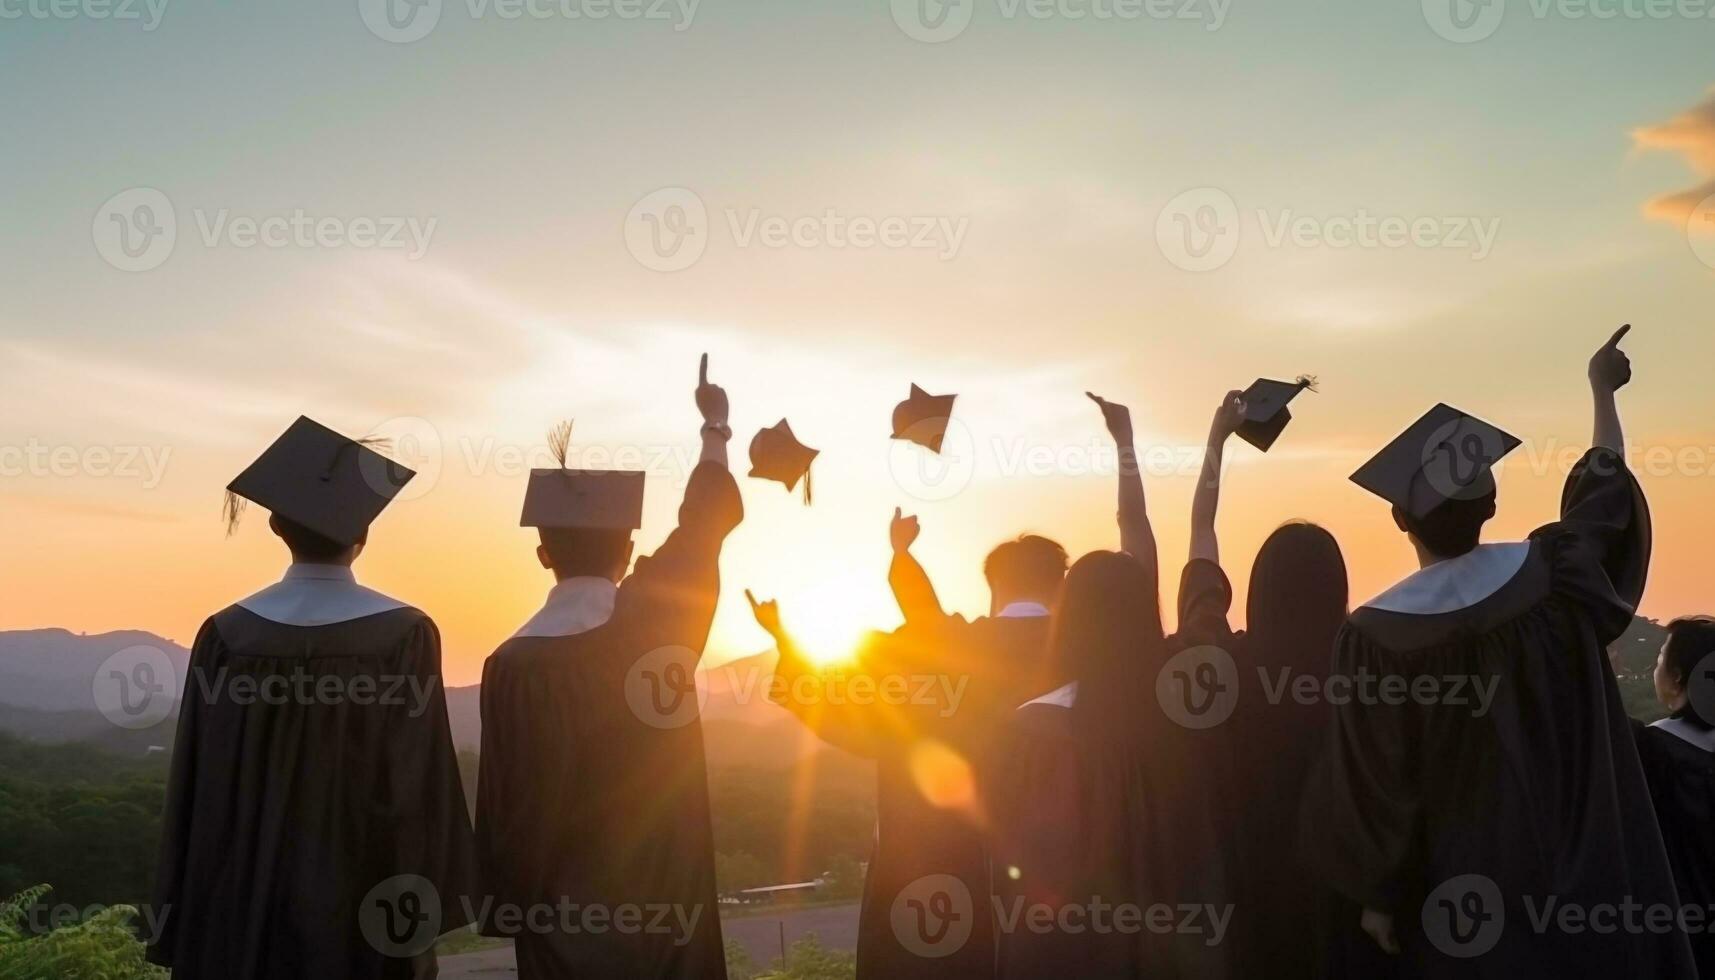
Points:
point(1691, 134)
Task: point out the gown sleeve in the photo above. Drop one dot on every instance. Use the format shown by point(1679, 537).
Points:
point(1205, 598)
point(913, 590)
point(1363, 809)
point(432, 830)
point(671, 594)
point(1601, 544)
point(176, 824)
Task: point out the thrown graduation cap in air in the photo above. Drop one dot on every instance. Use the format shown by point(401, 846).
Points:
point(776, 454)
point(1266, 413)
point(1445, 455)
point(593, 500)
point(922, 418)
point(316, 477)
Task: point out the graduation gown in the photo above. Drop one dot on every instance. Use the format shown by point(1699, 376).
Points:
point(286, 809)
point(593, 793)
point(1088, 823)
point(1465, 823)
point(918, 843)
point(1285, 919)
point(1678, 756)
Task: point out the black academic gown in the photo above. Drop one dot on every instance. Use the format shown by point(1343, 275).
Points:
point(593, 794)
point(285, 812)
point(1285, 919)
point(1681, 775)
point(1087, 824)
point(1542, 797)
point(904, 923)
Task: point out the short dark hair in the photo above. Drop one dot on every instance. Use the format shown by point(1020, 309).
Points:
point(1453, 528)
point(1027, 565)
point(305, 544)
point(575, 551)
point(1690, 641)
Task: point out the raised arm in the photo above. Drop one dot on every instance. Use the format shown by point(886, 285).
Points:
point(1206, 501)
point(1137, 537)
point(910, 583)
point(712, 403)
point(1610, 370)
point(802, 691)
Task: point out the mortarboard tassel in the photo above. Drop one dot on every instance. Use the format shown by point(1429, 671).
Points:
point(560, 442)
point(232, 511)
point(1308, 382)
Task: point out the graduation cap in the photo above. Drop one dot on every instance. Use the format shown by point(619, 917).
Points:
point(1445, 455)
point(776, 454)
point(1266, 413)
point(316, 477)
point(596, 500)
point(922, 418)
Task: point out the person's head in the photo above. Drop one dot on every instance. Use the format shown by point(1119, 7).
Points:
point(1690, 641)
point(1107, 635)
point(1029, 568)
point(1297, 597)
point(313, 548)
point(576, 552)
point(1450, 530)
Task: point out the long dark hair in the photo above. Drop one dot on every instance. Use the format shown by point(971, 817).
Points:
point(1293, 613)
point(1107, 636)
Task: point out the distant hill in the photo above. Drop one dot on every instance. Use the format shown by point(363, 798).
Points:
point(53, 669)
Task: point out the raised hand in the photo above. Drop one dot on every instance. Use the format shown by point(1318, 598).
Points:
point(767, 613)
point(1117, 417)
point(711, 398)
point(1230, 415)
point(902, 533)
point(1610, 368)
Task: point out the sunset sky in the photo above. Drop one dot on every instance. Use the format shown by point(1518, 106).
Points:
point(1050, 166)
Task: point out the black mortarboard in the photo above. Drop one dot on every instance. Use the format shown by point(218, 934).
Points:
point(1266, 413)
point(776, 454)
point(922, 418)
point(316, 477)
point(1445, 455)
point(597, 500)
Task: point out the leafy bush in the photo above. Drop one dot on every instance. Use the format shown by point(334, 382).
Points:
point(807, 959)
point(101, 947)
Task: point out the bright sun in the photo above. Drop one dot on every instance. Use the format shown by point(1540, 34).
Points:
point(827, 618)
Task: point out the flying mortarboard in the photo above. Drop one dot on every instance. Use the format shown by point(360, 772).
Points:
point(922, 418)
point(1266, 413)
point(316, 477)
point(1445, 455)
point(776, 454)
point(597, 500)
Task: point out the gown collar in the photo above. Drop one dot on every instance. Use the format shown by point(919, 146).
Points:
point(317, 595)
point(575, 605)
point(1457, 583)
point(1680, 728)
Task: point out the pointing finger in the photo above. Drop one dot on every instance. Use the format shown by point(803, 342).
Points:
point(703, 371)
point(1614, 341)
point(747, 595)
